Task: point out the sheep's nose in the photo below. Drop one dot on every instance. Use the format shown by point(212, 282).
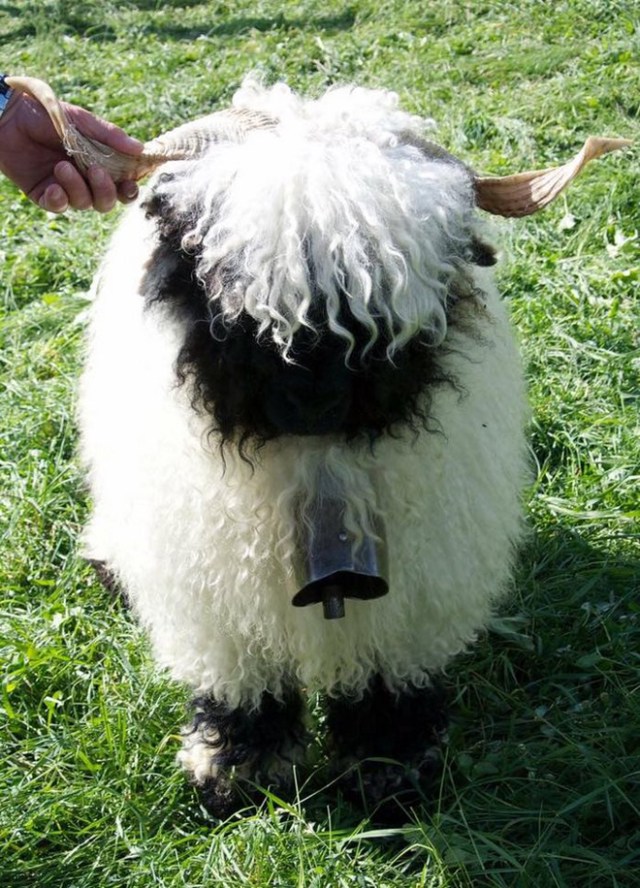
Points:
point(308, 412)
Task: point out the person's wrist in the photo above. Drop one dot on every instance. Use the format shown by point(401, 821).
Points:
point(13, 101)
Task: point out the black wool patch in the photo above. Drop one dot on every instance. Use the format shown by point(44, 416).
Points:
point(253, 395)
point(247, 737)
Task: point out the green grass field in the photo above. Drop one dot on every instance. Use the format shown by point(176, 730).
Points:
point(542, 780)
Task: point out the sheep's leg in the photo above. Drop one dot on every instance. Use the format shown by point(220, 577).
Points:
point(106, 576)
point(230, 753)
point(386, 746)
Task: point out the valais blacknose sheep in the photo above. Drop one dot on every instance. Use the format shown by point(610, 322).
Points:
point(303, 400)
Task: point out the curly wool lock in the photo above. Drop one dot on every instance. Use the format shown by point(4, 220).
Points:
point(314, 286)
point(333, 189)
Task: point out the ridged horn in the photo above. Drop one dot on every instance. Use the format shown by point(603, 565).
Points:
point(525, 193)
point(186, 142)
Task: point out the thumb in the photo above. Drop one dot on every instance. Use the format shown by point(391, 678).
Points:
point(103, 131)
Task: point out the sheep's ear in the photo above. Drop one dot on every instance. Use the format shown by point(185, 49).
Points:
point(526, 193)
point(482, 253)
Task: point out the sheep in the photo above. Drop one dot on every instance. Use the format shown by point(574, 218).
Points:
point(303, 421)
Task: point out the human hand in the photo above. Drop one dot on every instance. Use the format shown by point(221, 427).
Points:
point(33, 157)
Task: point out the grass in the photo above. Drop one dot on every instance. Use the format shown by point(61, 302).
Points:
point(542, 782)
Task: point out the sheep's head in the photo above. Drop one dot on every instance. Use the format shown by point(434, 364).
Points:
point(324, 259)
point(316, 254)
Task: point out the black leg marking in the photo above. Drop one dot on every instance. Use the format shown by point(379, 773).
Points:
point(407, 730)
point(227, 752)
point(106, 576)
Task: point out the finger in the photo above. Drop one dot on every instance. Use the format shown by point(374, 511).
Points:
point(103, 130)
point(80, 197)
point(103, 189)
point(54, 199)
point(127, 191)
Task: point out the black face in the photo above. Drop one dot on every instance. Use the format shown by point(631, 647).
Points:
point(253, 395)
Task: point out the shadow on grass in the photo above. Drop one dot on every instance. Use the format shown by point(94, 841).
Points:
point(24, 26)
point(541, 780)
point(543, 759)
point(241, 25)
point(538, 786)
point(90, 25)
point(156, 5)
point(68, 18)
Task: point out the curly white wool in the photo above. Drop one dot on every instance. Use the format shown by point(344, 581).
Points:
point(332, 187)
point(203, 545)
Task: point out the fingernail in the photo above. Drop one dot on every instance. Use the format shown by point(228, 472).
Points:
point(97, 175)
point(64, 167)
point(129, 190)
point(54, 201)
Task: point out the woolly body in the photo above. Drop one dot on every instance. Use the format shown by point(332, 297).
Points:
point(201, 538)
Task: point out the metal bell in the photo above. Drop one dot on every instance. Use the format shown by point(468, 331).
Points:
point(331, 566)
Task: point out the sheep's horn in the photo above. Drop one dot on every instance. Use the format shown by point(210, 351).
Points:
point(526, 193)
point(183, 143)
